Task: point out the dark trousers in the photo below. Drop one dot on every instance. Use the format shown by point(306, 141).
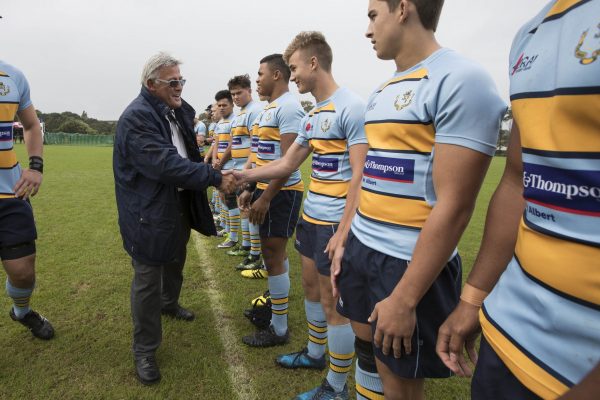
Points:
point(153, 289)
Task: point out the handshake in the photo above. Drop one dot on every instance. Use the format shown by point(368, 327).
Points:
point(232, 180)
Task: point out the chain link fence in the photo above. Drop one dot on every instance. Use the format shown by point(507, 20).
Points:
point(78, 139)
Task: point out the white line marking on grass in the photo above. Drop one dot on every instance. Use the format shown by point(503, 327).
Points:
point(238, 375)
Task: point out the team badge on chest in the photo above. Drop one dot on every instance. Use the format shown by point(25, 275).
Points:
point(4, 89)
point(404, 100)
point(588, 51)
point(325, 125)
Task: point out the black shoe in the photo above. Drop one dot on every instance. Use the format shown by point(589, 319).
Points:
point(266, 338)
point(260, 315)
point(179, 313)
point(39, 326)
point(146, 370)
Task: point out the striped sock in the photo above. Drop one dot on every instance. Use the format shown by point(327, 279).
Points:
point(368, 384)
point(245, 232)
point(234, 223)
point(317, 328)
point(254, 239)
point(224, 216)
point(341, 353)
point(279, 287)
point(20, 299)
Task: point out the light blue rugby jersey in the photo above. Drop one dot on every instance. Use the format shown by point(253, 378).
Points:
point(282, 116)
point(241, 129)
point(200, 128)
point(330, 129)
point(223, 133)
point(14, 97)
point(445, 99)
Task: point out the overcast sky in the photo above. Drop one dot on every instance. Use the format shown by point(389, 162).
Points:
point(88, 55)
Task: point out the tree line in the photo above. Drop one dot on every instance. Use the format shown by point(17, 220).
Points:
point(70, 122)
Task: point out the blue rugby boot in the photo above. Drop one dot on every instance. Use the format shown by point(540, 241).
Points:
point(300, 359)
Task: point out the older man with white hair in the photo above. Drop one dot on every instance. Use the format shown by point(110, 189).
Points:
point(160, 184)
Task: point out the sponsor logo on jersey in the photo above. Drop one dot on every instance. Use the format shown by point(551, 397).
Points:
point(255, 140)
point(524, 63)
point(5, 134)
point(236, 141)
point(404, 100)
point(569, 191)
point(390, 169)
point(4, 89)
point(324, 164)
point(223, 146)
point(266, 148)
point(588, 51)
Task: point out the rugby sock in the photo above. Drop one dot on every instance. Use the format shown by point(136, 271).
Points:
point(279, 287)
point(20, 299)
point(341, 353)
point(317, 328)
point(224, 216)
point(286, 265)
point(234, 223)
point(245, 233)
point(214, 202)
point(368, 384)
point(254, 239)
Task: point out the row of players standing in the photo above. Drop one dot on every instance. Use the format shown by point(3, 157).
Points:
point(390, 236)
point(413, 210)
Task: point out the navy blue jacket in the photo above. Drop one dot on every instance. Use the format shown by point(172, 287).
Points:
point(148, 170)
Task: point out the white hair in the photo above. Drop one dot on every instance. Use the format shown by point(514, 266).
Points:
point(155, 63)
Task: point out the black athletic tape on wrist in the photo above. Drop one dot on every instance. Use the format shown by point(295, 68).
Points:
point(36, 163)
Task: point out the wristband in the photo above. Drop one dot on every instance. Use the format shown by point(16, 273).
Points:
point(472, 295)
point(36, 163)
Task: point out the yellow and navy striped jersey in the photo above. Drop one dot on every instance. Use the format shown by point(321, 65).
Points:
point(282, 116)
point(14, 97)
point(200, 128)
point(241, 128)
point(211, 129)
point(330, 129)
point(548, 333)
point(223, 135)
point(254, 138)
point(445, 99)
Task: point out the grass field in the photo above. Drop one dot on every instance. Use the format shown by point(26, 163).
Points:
point(83, 280)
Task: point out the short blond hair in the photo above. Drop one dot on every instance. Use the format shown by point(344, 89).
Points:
point(314, 44)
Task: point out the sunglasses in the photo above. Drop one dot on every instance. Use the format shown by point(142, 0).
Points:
point(173, 82)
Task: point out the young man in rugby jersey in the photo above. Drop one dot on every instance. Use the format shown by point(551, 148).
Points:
point(17, 185)
point(334, 133)
point(276, 203)
point(241, 127)
point(230, 212)
point(432, 130)
point(540, 254)
point(214, 117)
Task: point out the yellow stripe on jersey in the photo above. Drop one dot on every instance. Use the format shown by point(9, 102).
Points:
point(395, 210)
point(269, 133)
point(8, 111)
point(418, 74)
point(543, 122)
point(240, 153)
point(527, 372)
point(316, 221)
point(561, 6)
point(297, 186)
point(328, 107)
point(329, 188)
point(571, 267)
point(322, 146)
point(7, 196)
point(2, 73)
point(8, 159)
point(401, 136)
point(368, 394)
point(240, 131)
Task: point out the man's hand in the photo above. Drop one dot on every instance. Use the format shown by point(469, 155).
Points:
point(207, 158)
point(228, 183)
point(244, 200)
point(336, 268)
point(460, 329)
point(240, 176)
point(258, 210)
point(395, 325)
point(335, 241)
point(29, 184)
point(216, 164)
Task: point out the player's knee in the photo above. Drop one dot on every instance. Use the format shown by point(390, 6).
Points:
point(365, 355)
point(14, 252)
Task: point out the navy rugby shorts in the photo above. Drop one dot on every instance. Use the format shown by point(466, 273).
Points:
point(282, 217)
point(369, 276)
point(17, 225)
point(311, 241)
